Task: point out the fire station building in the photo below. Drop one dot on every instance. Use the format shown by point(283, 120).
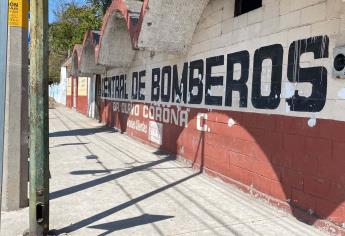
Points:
point(251, 91)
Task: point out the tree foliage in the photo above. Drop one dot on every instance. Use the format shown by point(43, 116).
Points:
point(72, 21)
point(101, 5)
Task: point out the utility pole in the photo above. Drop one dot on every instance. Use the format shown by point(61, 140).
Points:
point(3, 65)
point(16, 171)
point(38, 100)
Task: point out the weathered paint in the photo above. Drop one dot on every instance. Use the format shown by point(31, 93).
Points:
point(38, 115)
point(277, 155)
point(252, 100)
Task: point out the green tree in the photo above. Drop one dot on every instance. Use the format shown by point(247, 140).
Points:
point(101, 5)
point(69, 28)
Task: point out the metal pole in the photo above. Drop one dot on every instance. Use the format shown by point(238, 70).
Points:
point(3, 67)
point(38, 105)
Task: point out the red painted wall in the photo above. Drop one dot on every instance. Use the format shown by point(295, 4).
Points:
point(69, 98)
point(81, 101)
point(82, 104)
point(297, 166)
point(69, 101)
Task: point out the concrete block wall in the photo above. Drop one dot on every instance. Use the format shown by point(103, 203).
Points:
point(82, 105)
point(253, 101)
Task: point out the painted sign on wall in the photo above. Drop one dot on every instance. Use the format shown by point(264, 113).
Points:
point(223, 81)
point(69, 86)
point(82, 86)
point(156, 132)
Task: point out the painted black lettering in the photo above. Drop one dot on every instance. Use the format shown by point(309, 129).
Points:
point(317, 76)
point(156, 80)
point(121, 86)
point(196, 82)
point(117, 87)
point(180, 89)
point(135, 85)
point(213, 81)
point(275, 54)
point(239, 85)
point(166, 83)
point(112, 87)
point(141, 85)
point(125, 87)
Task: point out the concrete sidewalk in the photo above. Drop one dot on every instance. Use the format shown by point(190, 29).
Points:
point(105, 183)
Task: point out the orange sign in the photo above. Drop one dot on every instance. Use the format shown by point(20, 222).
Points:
point(18, 13)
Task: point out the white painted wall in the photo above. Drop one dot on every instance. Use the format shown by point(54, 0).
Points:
point(277, 22)
point(58, 91)
point(63, 86)
point(91, 96)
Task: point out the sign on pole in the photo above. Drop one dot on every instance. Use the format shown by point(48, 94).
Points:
point(3, 65)
point(18, 13)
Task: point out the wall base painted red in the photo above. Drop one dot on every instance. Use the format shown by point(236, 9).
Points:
point(279, 158)
point(82, 104)
point(69, 101)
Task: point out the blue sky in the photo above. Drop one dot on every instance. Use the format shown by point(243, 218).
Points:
point(53, 4)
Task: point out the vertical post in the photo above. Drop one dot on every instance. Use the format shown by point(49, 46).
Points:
point(3, 65)
point(38, 100)
point(15, 177)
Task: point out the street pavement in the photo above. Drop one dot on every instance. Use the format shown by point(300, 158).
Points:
point(105, 183)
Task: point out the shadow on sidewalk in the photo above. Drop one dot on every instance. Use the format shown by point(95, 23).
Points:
point(128, 223)
point(83, 223)
point(82, 132)
point(68, 144)
point(105, 179)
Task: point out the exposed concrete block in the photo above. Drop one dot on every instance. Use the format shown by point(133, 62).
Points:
point(331, 27)
point(227, 25)
point(270, 26)
point(212, 20)
point(271, 9)
point(290, 20)
point(268, 2)
point(335, 9)
point(280, 37)
point(299, 33)
point(298, 4)
point(313, 14)
point(293, 5)
point(88, 57)
point(240, 21)
point(214, 31)
point(116, 40)
point(255, 16)
point(169, 25)
point(226, 39)
point(254, 31)
point(285, 7)
point(240, 35)
point(228, 9)
point(214, 6)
